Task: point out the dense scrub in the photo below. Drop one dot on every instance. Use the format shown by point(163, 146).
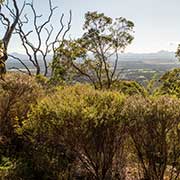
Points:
point(83, 122)
point(77, 132)
point(129, 87)
point(17, 93)
point(170, 83)
point(153, 127)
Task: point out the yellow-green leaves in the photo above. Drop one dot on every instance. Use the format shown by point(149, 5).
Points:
point(94, 56)
point(81, 103)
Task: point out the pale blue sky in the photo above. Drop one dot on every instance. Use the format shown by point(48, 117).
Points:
point(157, 22)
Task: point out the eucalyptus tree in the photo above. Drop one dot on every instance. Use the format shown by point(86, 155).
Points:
point(95, 54)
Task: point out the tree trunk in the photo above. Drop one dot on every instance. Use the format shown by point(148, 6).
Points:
point(3, 65)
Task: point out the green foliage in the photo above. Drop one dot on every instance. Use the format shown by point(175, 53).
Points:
point(89, 55)
point(170, 83)
point(84, 121)
point(152, 85)
point(61, 70)
point(152, 123)
point(42, 80)
point(17, 93)
point(106, 31)
point(129, 87)
point(73, 132)
point(17, 169)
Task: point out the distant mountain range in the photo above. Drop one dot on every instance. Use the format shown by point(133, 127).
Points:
point(11, 63)
point(158, 57)
point(150, 58)
point(25, 57)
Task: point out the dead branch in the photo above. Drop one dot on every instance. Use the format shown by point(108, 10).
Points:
point(18, 59)
point(38, 50)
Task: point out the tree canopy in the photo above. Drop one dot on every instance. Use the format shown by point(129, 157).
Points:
point(95, 54)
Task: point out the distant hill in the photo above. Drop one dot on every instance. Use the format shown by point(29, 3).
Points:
point(161, 57)
point(25, 57)
point(158, 57)
point(11, 62)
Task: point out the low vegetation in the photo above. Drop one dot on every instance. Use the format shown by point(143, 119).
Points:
point(81, 121)
point(78, 132)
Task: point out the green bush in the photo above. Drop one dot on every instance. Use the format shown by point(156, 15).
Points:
point(82, 123)
point(129, 87)
point(77, 132)
point(153, 125)
point(170, 83)
point(17, 94)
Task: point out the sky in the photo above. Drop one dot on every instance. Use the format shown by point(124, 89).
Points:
point(157, 22)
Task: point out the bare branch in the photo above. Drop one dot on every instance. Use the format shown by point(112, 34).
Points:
point(41, 47)
point(18, 70)
point(69, 25)
point(18, 59)
point(58, 34)
point(12, 26)
point(84, 73)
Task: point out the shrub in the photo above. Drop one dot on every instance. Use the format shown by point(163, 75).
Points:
point(17, 93)
point(129, 87)
point(153, 127)
point(80, 122)
point(170, 83)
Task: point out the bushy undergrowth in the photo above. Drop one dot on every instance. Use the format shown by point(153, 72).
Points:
point(129, 87)
point(17, 93)
point(86, 123)
point(77, 132)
